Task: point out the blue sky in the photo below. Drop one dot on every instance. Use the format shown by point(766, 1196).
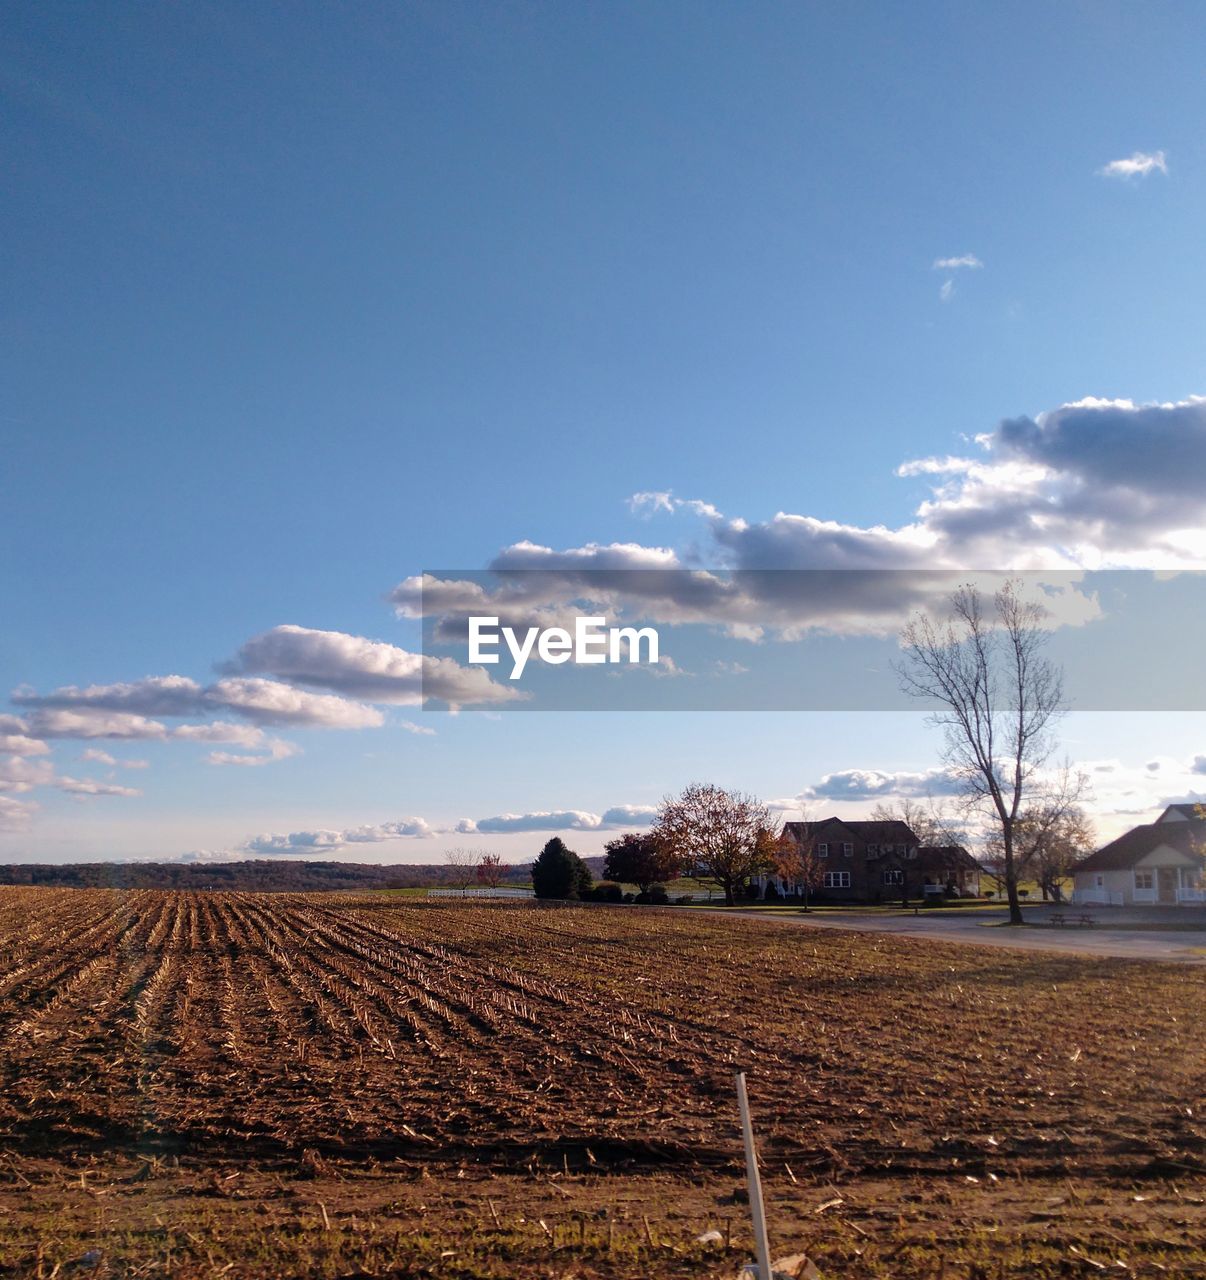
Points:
point(302, 300)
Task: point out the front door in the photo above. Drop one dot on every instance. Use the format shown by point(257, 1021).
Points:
point(1166, 884)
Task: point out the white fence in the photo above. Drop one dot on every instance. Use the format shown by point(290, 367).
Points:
point(479, 893)
point(1191, 895)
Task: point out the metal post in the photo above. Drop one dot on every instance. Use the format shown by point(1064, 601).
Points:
point(757, 1212)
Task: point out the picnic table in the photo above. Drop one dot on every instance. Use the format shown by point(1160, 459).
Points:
point(1084, 919)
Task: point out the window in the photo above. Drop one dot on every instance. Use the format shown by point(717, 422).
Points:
point(822, 850)
point(893, 877)
point(847, 850)
point(1143, 880)
point(837, 879)
point(889, 848)
point(909, 853)
point(873, 850)
point(1099, 881)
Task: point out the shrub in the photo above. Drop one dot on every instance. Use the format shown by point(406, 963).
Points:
point(607, 891)
point(658, 895)
point(771, 891)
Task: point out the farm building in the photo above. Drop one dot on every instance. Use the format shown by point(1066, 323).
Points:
point(1160, 863)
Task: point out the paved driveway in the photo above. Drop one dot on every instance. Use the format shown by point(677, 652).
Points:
point(982, 928)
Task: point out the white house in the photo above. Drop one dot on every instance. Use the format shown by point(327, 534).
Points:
point(1158, 864)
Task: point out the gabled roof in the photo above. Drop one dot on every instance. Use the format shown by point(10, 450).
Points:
point(891, 832)
point(1136, 844)
point(1180, 813)
point(946, 857)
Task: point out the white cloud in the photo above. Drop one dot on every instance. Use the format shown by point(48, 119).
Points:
point(57, 723)
point(272, 703)
point(649, 504)
point(1137, 165)
point(561, 820)
point(423, 730)
point(329, 841)
point(238, 735)
point(363, 668)
point(89, 787)
point(278, 749)
point(968, 260)
point(17, 744)
point(947, 292)
point(151, 696)
point(20, 775)
point(14, 814)
point(97, 756)
point(875, 784)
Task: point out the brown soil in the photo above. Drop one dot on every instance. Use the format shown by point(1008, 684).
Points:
point(201, 1084)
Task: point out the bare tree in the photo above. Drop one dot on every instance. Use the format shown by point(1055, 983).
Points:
point(722, 836)
point(460, 867)
point(999, 699)
point(928, 820)
point(1048, 840)
point(489, 870)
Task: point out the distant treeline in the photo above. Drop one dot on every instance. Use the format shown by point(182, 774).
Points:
point(284, 875)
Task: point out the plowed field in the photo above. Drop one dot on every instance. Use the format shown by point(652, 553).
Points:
point(202, 1084)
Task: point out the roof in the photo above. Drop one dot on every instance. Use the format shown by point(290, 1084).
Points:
point(892, 831)
point(1180, 813)
point(1136, 844)
point(946, 857)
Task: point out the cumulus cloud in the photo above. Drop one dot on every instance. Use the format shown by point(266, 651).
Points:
point(363, 668)
point(18, 744)
point(151, 696)
point(561, 820)
point(20, 775)
point(875, 784)
point(1138, 164)
point(272, 702)
point(92, 723)
point(329, 841)
point(629, 815)
point(125, 708)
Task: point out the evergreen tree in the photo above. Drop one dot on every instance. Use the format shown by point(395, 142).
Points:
point(559, 873)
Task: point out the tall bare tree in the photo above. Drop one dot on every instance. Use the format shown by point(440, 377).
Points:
point(1049, 839)
point(460, 867)
point(722, 836)
point(999, 699)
